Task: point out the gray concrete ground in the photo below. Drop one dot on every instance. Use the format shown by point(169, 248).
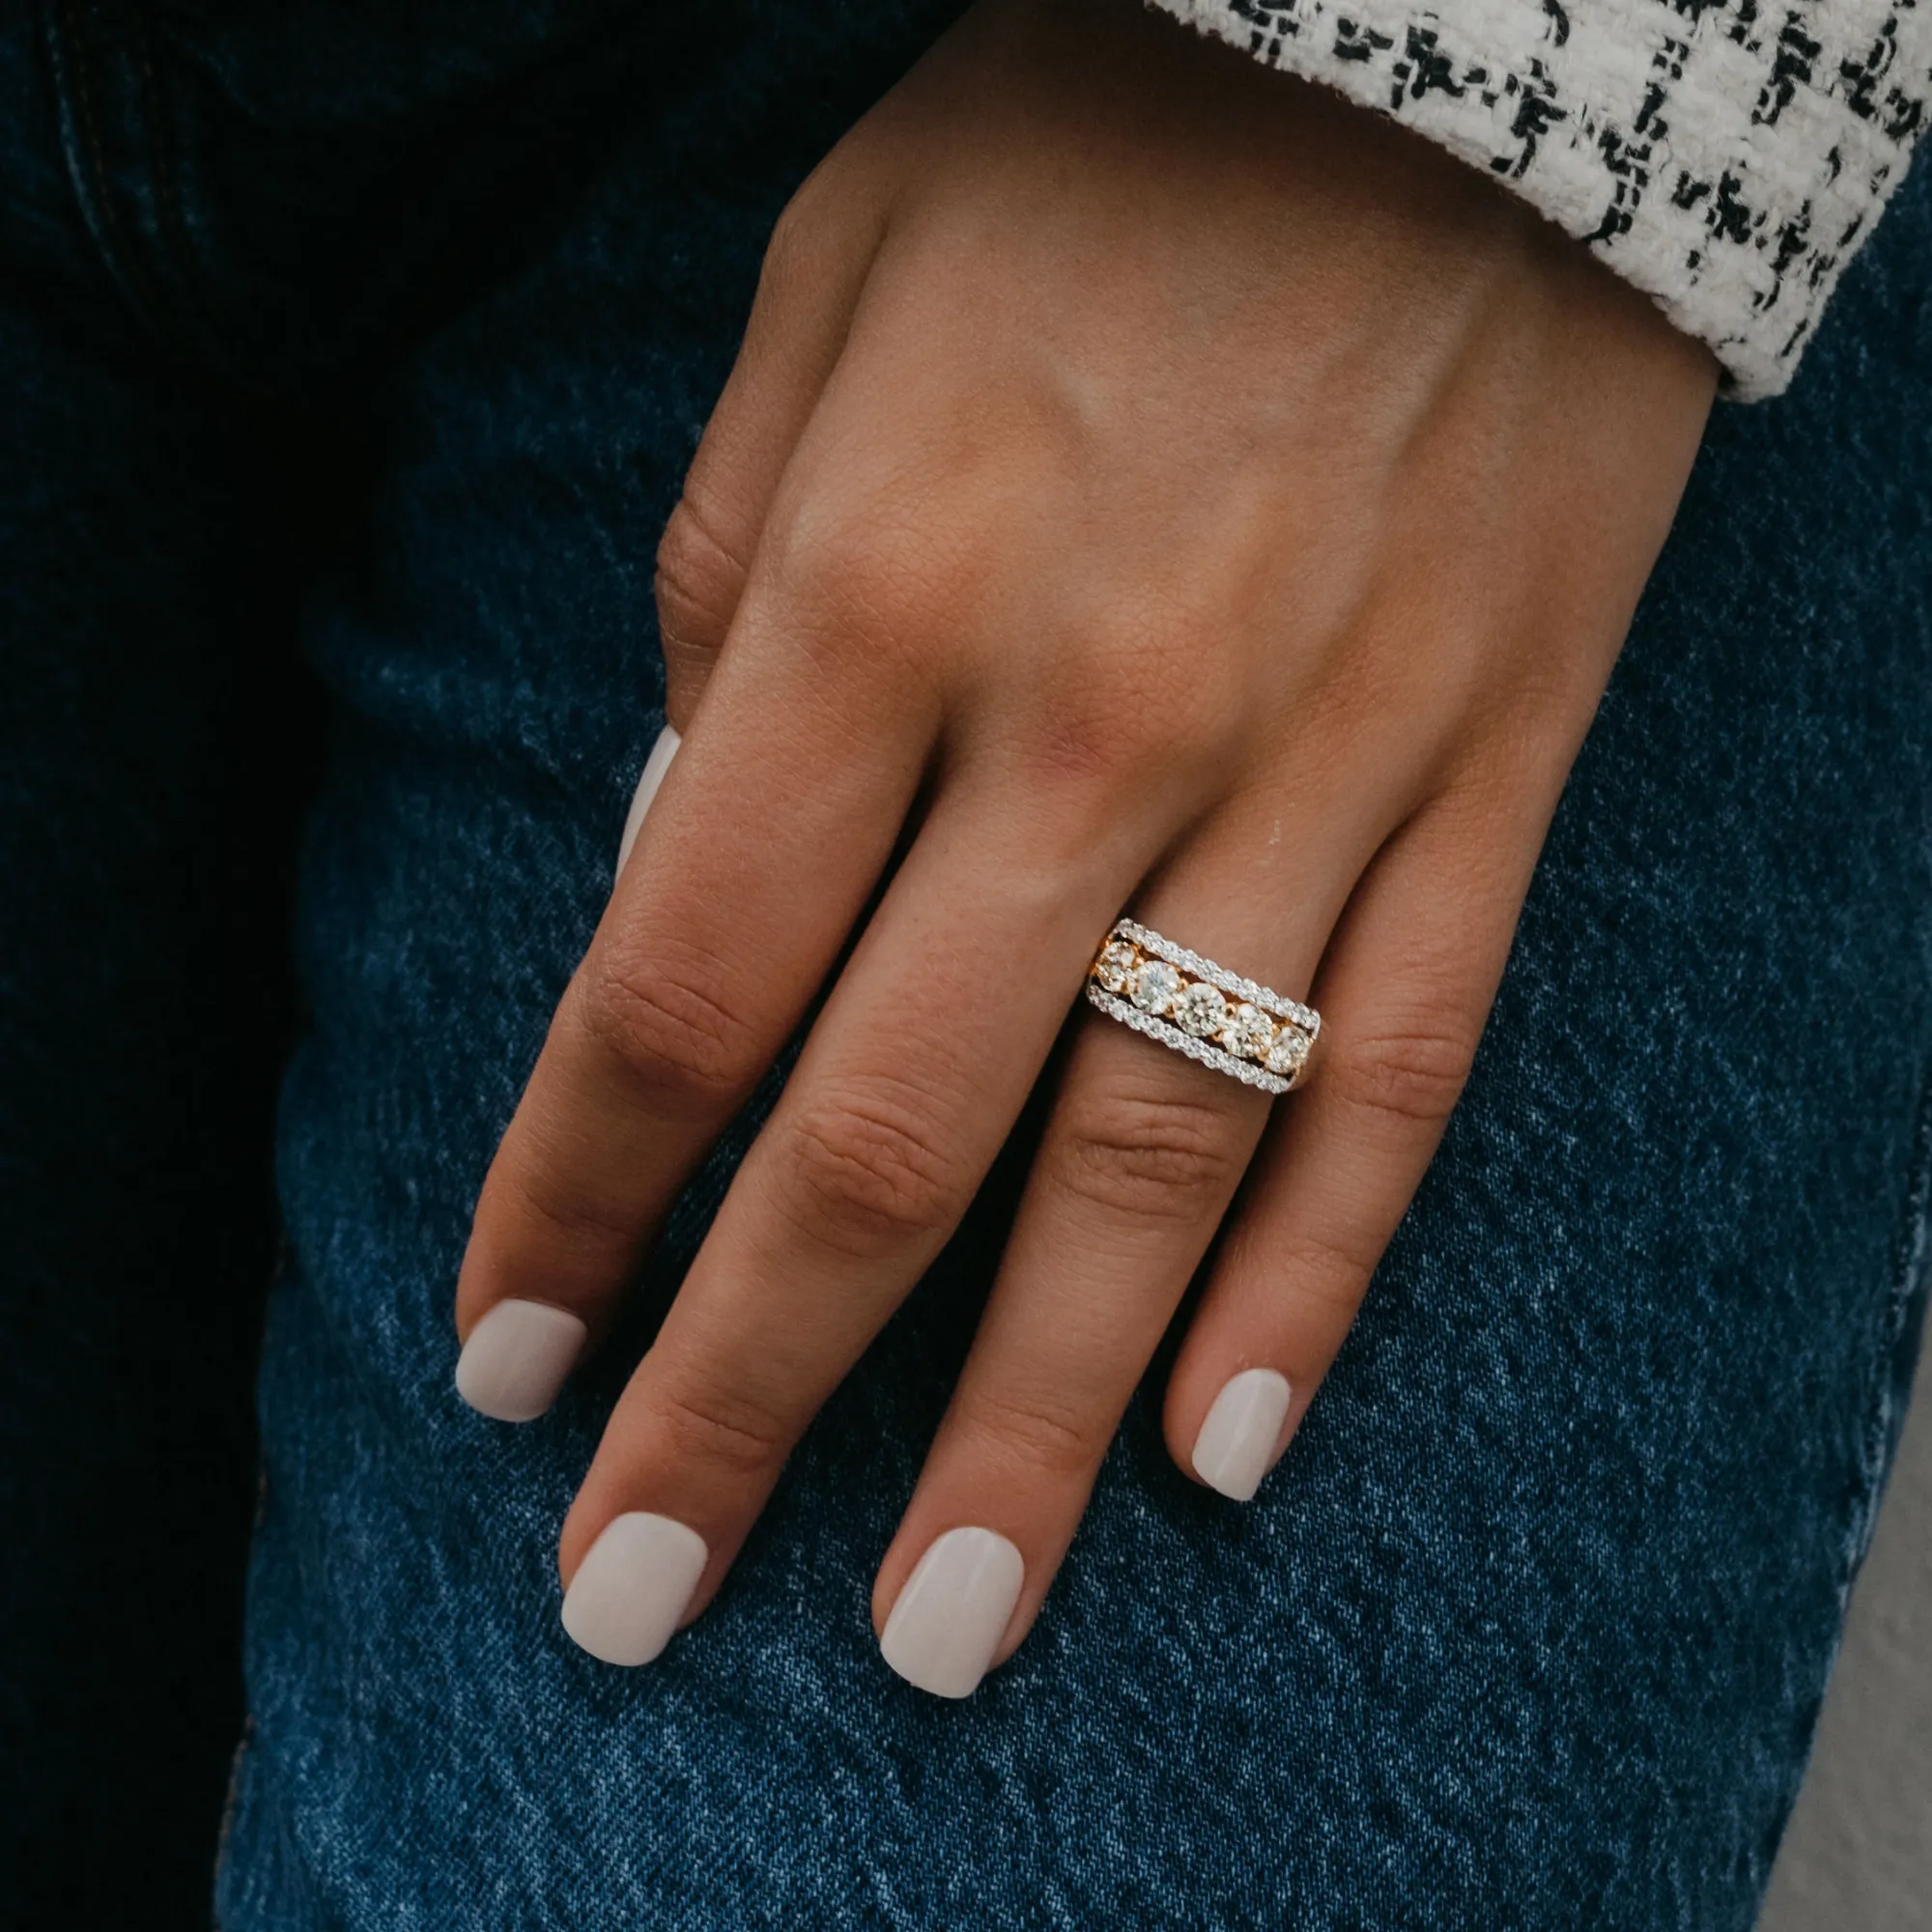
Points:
point(1857, 1856)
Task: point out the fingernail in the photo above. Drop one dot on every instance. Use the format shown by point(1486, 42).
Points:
point(1236, 1443)
point(955, 1608)
point(516, 1359)
point(655, 768)
point(629, 1593)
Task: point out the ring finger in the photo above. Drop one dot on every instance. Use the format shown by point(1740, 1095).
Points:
point(1141, 1157)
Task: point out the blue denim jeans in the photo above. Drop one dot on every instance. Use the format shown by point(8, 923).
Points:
point(352, 362)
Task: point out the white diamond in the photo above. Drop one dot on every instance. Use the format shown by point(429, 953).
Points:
point(1114, 967)
point(1289, 1053)
point(1248, 1032)
point(1154, 986)
point(1201, 1009)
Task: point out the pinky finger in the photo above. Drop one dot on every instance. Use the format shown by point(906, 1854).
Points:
point(1403, 991)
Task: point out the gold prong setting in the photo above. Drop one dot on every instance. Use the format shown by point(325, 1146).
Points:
point(1177, 997)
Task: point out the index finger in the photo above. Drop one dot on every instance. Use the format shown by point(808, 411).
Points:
point(723, 925)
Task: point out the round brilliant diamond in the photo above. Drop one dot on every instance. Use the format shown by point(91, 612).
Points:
point(1248, 1032)
point(1154, 986)
point(1201, 1009)
point(1290, 1052)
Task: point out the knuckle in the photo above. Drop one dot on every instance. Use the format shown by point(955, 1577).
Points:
point(1096, 737)
point(575, 1221)
point(1146, 1158)
point(1129, 711)
point(1327, 1271)
point(820, 231)
point(699, 575)
point(1030, 1430)
point(865, 578)
point(797, 238)
point(703, 1424)
point(1413, 1075)
point(864, 1173)
point(679, 1046)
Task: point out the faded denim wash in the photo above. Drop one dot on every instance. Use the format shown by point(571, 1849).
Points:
point(377, 342)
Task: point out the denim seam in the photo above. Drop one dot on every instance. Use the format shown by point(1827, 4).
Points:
point(86, 161)
point(1909, 1254)
point(172, 222)
point(230, 1804)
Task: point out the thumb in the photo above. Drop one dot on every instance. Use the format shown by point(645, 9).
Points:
point(814, 268)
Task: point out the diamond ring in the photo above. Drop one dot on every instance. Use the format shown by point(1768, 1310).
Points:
point(1201, 1010)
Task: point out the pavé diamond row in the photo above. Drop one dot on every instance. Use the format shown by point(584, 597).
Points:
point(1201, 1010)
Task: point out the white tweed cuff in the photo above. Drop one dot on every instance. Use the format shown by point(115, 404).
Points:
point(1727, 159)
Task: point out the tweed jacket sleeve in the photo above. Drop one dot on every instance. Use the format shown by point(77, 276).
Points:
point(1727, 157)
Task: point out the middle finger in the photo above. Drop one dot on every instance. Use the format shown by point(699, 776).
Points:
point(914, 1073)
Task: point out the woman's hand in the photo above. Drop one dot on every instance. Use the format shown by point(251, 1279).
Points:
point(1147, 481)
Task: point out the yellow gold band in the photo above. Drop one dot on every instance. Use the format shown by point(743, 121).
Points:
point(1177, 997)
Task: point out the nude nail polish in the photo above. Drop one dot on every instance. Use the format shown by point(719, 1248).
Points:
point(633, 1588)
point(1236, 1443)
point(516, 1359)
point(954, 1610)
point(652, 777)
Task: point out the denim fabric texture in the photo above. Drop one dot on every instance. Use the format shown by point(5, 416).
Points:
point(382, 344)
